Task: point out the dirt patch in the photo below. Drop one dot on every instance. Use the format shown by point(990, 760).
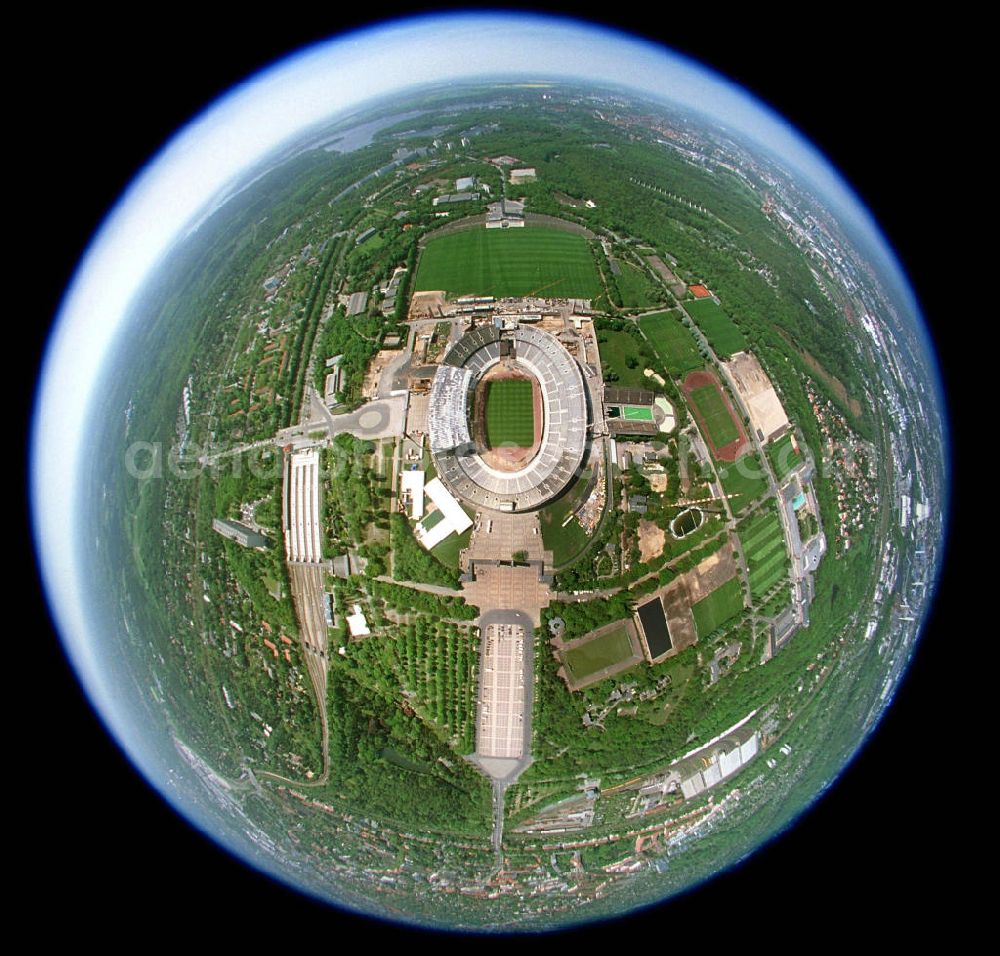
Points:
point(651, 540)
point(734, 449)
point(568, 200)
point(427, 305)
point(757, 393)
point(373, 375)
point(687, 590)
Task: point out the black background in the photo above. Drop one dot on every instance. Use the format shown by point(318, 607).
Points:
point(104, 97)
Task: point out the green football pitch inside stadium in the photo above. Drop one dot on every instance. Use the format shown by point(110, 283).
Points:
point(510, 415)
point(637, 413)
point(509, 262)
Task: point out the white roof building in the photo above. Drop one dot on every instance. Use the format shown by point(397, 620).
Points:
point(357, 624)
point(434, 535)
point(454, 513)
point(300, 507)
point(450, 516)
point(412, 483)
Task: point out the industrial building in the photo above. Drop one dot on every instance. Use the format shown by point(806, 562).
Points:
point(240, 533)
point(357, 303)
point(505, 214)
point(454, 198)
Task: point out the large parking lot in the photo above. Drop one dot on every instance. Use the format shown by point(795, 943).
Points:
point(500, 728)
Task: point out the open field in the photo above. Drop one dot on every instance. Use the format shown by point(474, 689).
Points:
point(673, 343)
point(637, 413)
point(720, 330)
point(783, 456)
point(510, 416)
point(509, 262)
point(764, 549)
point(565, 541)
point(447, 551)
point(617, 349)
point(637, 290)
point(721, 605)
point(745, 478)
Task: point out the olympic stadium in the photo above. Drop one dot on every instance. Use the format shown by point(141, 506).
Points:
point(517, 478)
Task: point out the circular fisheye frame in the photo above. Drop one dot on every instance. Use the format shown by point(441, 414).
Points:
point(500, 492)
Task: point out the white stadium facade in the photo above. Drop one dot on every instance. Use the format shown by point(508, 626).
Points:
point(457, 457)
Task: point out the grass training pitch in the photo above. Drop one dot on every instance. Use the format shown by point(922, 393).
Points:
point(723, 604)
point(595, 655)
point(637, 413)
point(764, 549)
point(509, 262)
point(745, 478)
point(673, 343)
point(720, 330)
point(783, 456)
point(510, 416)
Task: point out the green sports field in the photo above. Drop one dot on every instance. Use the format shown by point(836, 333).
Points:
point(720, 330)
point(673, 343)
point(745, 478)
point(509, 262)
point(637, 413)
point(764, 550)
point(783, 456)
point(724, 603)
point(712, 409)
point(595, 655)
point(510, 415)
